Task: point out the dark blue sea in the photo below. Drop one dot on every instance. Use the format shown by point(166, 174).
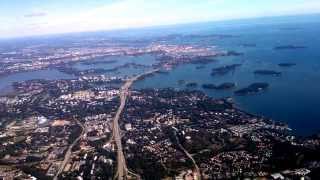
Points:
point(293, 97)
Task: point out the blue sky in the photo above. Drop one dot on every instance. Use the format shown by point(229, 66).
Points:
point(37, 17)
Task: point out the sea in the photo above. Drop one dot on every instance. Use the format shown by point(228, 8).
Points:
point(293, 97)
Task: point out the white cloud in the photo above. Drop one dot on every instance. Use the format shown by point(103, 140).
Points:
point(35, 14)
point(130, 13)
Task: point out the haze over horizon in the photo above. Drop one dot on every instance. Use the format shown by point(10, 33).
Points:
point(28, 18)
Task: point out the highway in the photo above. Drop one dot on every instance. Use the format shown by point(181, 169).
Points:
point(122, 170)
point(69, 152)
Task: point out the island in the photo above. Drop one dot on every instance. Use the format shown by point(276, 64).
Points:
point(191, 85)
point(203, 60)
point(286, 64)
point(286, 47)
point(267, 72)
point(226, 85)
point(224, 69)
point(248, 45)
point(233, 53)
point(162, 72)
point(181, 82)
point(200, 67)
point(208, 86)
point(223, 86)
point(252, 89)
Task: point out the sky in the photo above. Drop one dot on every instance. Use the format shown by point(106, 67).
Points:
point(39, 17)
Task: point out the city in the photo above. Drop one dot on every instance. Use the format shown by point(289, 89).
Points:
point(159, 90)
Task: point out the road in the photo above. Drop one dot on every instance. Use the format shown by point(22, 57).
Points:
point(196, 167)
point(122, 170)
point(69, 151)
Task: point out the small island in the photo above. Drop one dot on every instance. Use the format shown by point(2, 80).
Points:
point(286, 64)
point(208, 86)
point(181, 82)
point(200, 67)
point(223, 86)
point(252, 89)
point(248, 45)
point(162, 72)
point(267, 72)
point(191, 85)
point(233, 53)
point(226, 85)
point(98, 62)
point(203, 60)
point(286, 47)
point(224, 69)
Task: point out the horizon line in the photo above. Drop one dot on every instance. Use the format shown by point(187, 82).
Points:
point(154, 26)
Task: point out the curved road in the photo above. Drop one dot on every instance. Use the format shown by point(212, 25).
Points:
point(197, 169)
point(122, 170)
